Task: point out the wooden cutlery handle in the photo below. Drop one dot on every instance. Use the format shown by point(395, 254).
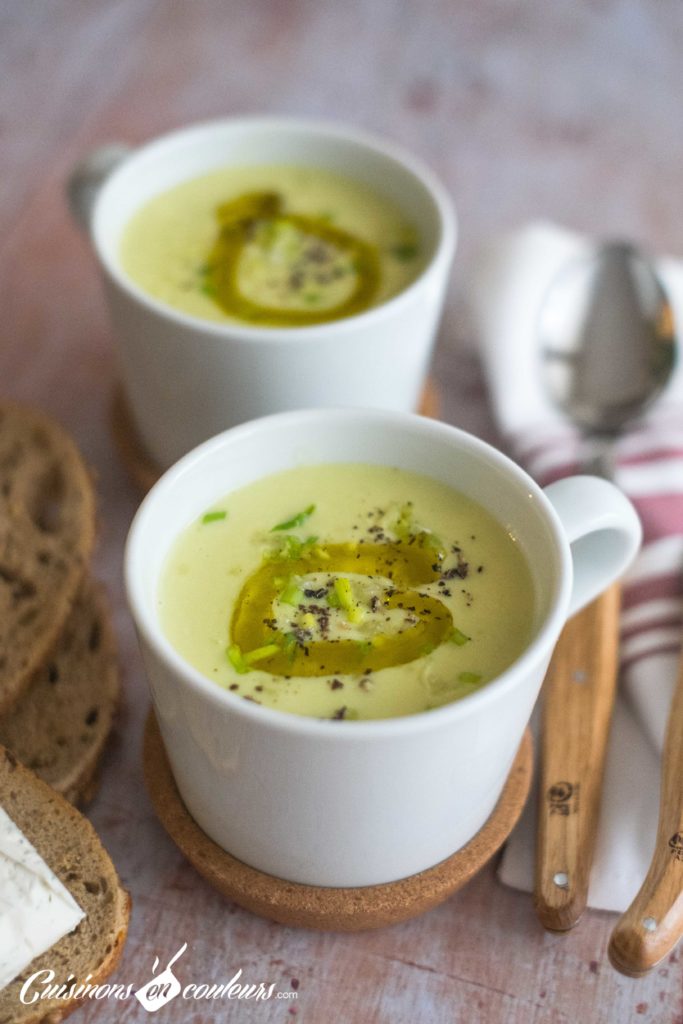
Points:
point(653, 924)
point(578, 697)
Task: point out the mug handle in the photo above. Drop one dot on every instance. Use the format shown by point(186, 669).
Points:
point(88, 176)
point(603, 530)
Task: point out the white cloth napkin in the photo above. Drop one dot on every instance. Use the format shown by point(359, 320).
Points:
point(509, 281)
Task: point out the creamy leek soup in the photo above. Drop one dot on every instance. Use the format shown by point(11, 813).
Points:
point(347, 591)
point(280, 246)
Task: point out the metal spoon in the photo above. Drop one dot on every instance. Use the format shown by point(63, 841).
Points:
point(607, 337)
point(607, 343)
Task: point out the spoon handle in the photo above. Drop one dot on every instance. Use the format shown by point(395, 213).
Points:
point(653, 924)
point(578, 697)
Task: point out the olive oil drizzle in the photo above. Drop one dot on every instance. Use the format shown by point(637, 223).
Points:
point(255, 217)
point(406, 566)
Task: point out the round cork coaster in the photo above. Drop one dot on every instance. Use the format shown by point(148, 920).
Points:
point(142, 469)
point(329, 909)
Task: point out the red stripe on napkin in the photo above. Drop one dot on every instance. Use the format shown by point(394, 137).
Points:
point(652, 588)
point(557, 455)
point(661, 516)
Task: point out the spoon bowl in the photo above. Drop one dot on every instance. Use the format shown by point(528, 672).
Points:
point(607, 338)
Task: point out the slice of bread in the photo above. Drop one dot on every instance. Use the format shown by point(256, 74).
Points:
point(68, 843)
point(59, 726)
point(47, 531)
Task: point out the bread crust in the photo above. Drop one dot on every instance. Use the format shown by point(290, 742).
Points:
point(72, 849)
point(47, 533)
point(60, 725)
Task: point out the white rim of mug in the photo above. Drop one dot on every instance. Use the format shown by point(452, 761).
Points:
point(147, 621)
point(444, 247)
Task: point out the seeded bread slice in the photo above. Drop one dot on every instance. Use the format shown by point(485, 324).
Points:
point(47, 530)
point(69, 845)
point(59, 726)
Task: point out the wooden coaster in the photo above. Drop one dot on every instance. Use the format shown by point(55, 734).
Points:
point(329, 909)
point(142, 469)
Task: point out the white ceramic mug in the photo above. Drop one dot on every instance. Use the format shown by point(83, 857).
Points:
point(185, 378)
point(358, 803)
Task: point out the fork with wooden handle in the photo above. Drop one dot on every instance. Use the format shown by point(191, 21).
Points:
point(578, 698)
point(653, 924)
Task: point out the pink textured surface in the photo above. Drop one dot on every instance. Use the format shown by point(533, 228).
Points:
point(524, 108)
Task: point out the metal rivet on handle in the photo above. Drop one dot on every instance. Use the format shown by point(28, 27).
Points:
point(649, 924)
point(561, 879)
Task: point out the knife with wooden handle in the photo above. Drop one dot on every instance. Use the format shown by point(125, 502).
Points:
point(653, 924)
point(578, 698)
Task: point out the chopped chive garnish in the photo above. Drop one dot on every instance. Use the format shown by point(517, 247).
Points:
point(289, 547)
point(469, 677)
point(433, 541)
point(292, 594)
point(236, 659)
point(342, 588)
point(356, 614)
point(297, 520)
point(333, 599)
point(290, 645)
point(458, 637)
point(345, 599)
point(214, 517)
point(260, 653)
point(404, 251)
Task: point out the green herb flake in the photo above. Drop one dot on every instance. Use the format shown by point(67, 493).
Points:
point(260, 654)
point(297, 520)
point(290, 645)
point(404, 251)
point(292, 594)
point(289, 548)
point(469, 677)
point(342, 588)
point(356, 614)
point(237, 660)
point(433, 541)
point(458, 637)
point(214, 517)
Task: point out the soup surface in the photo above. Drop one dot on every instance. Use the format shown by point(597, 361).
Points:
point(280, 246)
point(347, 591)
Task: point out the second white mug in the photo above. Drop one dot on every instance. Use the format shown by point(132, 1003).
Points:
point(187, 379)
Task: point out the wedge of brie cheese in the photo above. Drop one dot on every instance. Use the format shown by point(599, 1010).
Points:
point(35, 908)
